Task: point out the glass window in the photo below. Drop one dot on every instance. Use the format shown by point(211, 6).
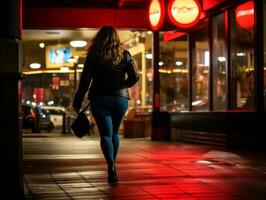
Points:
point(242, 56)
point(200, 70)
point(140, 48)
point(219, 64)
point(173, 69)
point(54, 82)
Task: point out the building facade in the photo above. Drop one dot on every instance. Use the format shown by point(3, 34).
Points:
point(210, 81)
point(208, 75)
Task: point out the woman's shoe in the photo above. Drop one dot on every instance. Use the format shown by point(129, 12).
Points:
point(112, 176)
point(112, 179)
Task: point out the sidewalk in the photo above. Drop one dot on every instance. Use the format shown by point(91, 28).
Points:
point(64, 167)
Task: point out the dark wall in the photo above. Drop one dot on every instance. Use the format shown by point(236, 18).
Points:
point(241, 129)
point(10, 25)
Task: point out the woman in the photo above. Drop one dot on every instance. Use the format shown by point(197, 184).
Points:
point(108, 73)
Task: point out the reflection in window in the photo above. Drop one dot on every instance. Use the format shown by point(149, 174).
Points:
point(140, 48)
point(242, 56)
point(219, 64)
point(173, 69)
point(200, 73)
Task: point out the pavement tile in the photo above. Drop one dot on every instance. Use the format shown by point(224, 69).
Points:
point(69, 168)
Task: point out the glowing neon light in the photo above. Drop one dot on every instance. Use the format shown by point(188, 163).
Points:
point(184, 14)
point(245, 15)
point(156, 14)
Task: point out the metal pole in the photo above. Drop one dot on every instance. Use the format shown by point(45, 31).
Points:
point(75, 76)
point(64, 123)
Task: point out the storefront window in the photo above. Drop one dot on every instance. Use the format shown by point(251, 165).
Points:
point(142, 93)
point(242, 56)
point(200, 70)
point(55, 80)
point(219, 64)
point(173, 63)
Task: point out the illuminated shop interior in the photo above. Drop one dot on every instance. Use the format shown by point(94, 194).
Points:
point(53, 61)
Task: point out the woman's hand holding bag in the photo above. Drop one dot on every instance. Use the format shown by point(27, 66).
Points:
point(81, 124)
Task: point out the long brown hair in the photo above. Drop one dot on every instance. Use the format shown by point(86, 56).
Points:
point(106, 46)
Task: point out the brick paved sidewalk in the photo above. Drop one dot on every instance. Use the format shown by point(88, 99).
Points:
point(69, 168)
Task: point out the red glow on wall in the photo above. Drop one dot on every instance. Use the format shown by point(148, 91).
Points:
point(184, 14)
point(245, 15)
point(209, 4)
point(202, 15)
point(42, 18)
point(168, 36)
point(156, 14)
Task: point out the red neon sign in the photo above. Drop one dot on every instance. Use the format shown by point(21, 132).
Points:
point(156, 14)
point(245, 15)
point(184, 13)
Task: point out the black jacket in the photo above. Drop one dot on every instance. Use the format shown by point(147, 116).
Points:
point(106, 79)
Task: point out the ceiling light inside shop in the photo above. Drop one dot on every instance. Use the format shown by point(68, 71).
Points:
point(78, 43)
point(80, 65)
point(148, 56)
point(160, 63)
point(197, 102)
point(35, 65)
point(72, 59)
point(221, 59)
point(64, 69)
point(206, 58)
point(179, 63)
point(241, 54)
point(41, 45)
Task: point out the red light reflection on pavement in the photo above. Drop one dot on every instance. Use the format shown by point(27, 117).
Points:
point(146, 170)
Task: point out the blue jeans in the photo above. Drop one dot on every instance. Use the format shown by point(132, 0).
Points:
point(108, 112)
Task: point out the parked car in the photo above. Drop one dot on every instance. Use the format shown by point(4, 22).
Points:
point(36, 119)
point(56, 114)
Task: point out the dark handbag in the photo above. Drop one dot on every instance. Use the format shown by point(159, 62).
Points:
point(81, 124)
